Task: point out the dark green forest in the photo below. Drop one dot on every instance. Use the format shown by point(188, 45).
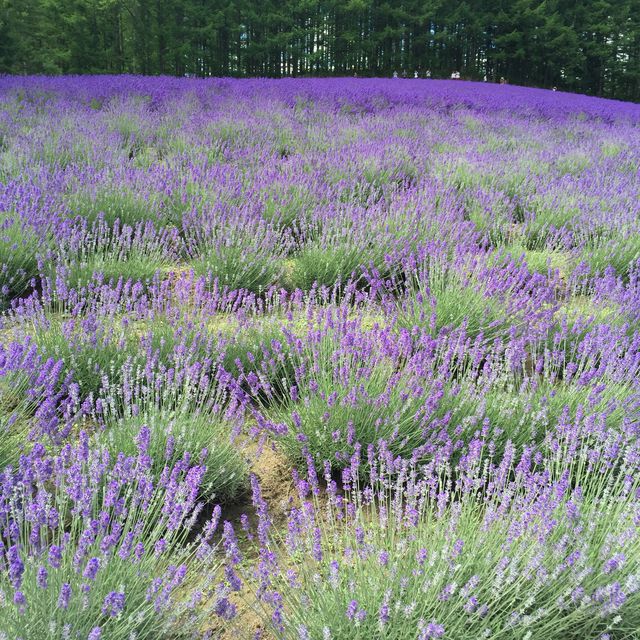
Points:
point(590, 46)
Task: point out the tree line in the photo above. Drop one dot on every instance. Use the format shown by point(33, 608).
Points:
point(590, 46)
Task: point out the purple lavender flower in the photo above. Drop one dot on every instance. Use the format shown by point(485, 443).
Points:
point(65, 596)
point(16, 566)
point(113, 604)
point(614, 563)
point(91, 570)
point(19, 600)
point(430, 630)
point(225, 609)
point(95, 634)
point(42, 577)
point(459, 301)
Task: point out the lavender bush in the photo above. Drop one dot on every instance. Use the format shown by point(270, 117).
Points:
point(93, 546)
point(185, 414)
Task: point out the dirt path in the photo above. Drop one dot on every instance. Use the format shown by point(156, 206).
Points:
point(273, 471)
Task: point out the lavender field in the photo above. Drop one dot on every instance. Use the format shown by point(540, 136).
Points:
point(318, 359)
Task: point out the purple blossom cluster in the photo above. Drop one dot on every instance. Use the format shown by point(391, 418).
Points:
point(424, 299)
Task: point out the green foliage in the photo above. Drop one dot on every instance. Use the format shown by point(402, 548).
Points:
point(286, 207)
point(138, 544)
point(247, 348)
point(110, 253)
point(540, 260)
point(238, 266)
point(590, 47)
point(344, 397)
point(612, 252)
point(324, 265)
